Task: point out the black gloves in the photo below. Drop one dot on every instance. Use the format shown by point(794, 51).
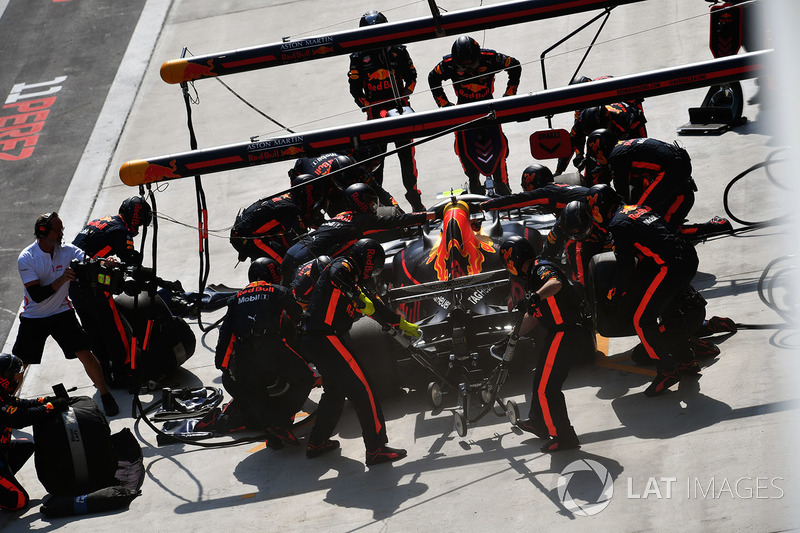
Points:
point(57, 405)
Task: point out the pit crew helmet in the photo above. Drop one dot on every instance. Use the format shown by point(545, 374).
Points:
point(599, 145)
point(361, 198)
point(368, 256)
point(136, 212)
point(516, 251)
point(371, 18)
point(536, 176)
point(576, 220)
point(10, 367)
point(466, 53)
point(602, 201)
point(264, 269)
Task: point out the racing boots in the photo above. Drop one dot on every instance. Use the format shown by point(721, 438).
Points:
point(315, 450)
point(663, 381)
point(278, 436)
point(384, 454)
point(567, 441)
point(531, 427)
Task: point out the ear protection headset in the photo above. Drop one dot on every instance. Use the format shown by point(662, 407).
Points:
point(43, 223)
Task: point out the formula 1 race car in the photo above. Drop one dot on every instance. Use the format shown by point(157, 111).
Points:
point(451, 281)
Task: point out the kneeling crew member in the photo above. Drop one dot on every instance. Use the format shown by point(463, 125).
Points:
point(252, 354)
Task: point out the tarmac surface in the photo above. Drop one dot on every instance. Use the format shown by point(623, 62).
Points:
point(713, 454)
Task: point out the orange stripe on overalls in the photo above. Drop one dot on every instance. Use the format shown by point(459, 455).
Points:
point(548, 368)
point(354, 366)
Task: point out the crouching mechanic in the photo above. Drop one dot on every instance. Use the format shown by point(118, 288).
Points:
point(552, 302)
point(337, 296)
point(18, 413)
point(656, 265)
point(260, 370)
point(101, 239)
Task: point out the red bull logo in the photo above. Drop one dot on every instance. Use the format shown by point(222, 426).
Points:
point(378, 75)
point(460, 251)
point(322, 50)
point(292, 151)
point(155, 172)
point(473, 87)
point(369, 263)
point(510, 266)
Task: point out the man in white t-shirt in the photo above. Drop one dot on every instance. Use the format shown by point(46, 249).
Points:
point(47, 309)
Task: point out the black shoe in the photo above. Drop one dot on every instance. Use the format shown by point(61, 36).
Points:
point(703, 348)
point(662, 382)
point(315, 450)
point(274, 443)
point(109, 404)
point(688, 368)
point(716, 324)
point(284, 435)
point(561, 443)
point(384, 454)
point(538, 430)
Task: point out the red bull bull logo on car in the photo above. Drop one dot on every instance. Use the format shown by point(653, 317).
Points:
point(457, 236)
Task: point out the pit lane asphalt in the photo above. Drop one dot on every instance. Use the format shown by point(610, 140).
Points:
point(714, 454)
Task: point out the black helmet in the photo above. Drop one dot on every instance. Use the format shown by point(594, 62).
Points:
point(10, 366)
point(350, 174)
point(372, 17)
point(602, 200)
point(599, 145)
point(310, 197)
point(536, 176)
point(318, 265)
point(368, 256)
point(265, 269)
point(593, 118)
point(361, 198)
point(516, 251)
point(307, 275)
point(135, 211)
point(579, 79)
point(576, 220)
point(466, 53)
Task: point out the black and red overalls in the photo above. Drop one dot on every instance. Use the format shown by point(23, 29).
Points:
point(561, 317)
point(329, 316)
point(656, 174)
point(473, 86)
point(100, 317)
point(336, 203)
point(337, 235)
point(624, 120)
point(252, 353)
point(371, 75)
point(15, 413)
point(554, 197)
point(658, 281)
point(267, 228)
